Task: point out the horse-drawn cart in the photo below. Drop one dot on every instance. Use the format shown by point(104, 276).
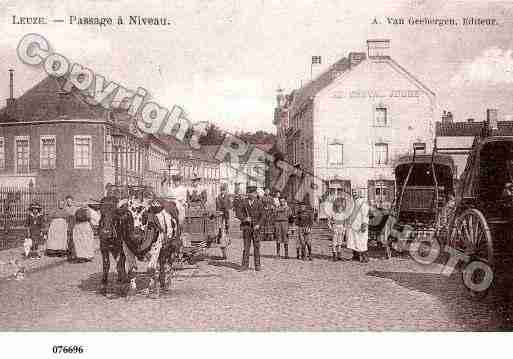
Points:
point(202, 229)
point(424, 184)
point(480, 230)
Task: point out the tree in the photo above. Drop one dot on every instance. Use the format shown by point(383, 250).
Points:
point(214, 135)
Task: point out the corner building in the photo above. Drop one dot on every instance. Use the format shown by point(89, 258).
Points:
point(349, 125)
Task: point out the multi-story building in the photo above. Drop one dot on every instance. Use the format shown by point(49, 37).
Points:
point(349, 124)
point(186, 163)
point(461, 134)
point(56, 141)
point(248, 174)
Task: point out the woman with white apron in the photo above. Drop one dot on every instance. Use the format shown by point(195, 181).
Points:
point(83, 236)
point(57, 243)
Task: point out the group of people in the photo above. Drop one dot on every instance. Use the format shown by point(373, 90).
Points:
point(66, 231)
point(349, 223)
point(264, 216)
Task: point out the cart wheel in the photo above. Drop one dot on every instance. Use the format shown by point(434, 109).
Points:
point(472, 236)
point(477, 277)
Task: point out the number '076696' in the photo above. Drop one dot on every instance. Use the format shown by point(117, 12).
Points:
point(68, 349)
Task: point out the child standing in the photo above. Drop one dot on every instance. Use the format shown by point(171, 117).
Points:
point(35, 228)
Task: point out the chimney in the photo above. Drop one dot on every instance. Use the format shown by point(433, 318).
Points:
point(492, 119)
point(279, 97)
point(11, 102)
point(315, 67)
point(378, 48)
point(355, 58)
point(447, 117)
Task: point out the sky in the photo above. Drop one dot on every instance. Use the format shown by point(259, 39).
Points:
point(222, 61)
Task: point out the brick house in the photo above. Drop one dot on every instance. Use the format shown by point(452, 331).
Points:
point(349, 124)
point(461, 134)
point(186, 163)
point(55, 141)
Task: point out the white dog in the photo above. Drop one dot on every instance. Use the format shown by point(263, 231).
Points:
point(27, 245)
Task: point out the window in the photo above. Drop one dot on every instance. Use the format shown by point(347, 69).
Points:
point(82, 154)
point(335, 154)
point(420, 147)
point(108, 148)
point(380, 116)
point(381, 192)
point(2, 153)
point(132, 156)
point(381, 153)
point(47, 150)
point(22, 154)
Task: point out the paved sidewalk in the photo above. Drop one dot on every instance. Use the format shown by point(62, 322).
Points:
point(13, 260)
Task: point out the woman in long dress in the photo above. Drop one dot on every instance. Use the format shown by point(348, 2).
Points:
point(57, 243)
point(83, 236)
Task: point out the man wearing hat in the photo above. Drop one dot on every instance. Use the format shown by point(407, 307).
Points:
point(250, 214)
point(224, 205)
point(196, 193)
point(304, 221)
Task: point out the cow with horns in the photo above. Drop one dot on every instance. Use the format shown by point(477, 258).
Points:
point(146, 232)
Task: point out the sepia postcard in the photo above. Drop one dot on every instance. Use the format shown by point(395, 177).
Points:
point(259, 166)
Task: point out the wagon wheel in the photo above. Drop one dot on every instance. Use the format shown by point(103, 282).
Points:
point(471, 235)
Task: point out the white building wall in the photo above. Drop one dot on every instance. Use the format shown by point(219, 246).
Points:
point(345, 110)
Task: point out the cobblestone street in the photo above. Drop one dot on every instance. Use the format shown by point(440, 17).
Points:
point(286, 295)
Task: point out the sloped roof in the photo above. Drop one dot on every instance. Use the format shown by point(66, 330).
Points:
point(178, 149)
point(46, 101)
point(469, 129)
point(309, 90)
point(211, 150)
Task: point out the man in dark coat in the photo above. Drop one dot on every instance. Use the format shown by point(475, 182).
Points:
point(250, 213)
point(223, 204)
point(304, 221)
